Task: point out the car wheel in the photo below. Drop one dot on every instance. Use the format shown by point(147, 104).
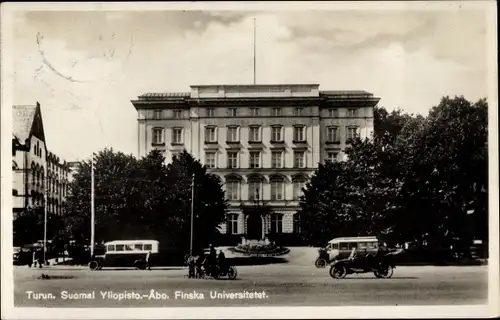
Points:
point(384, 271)
point(93, 265)
point(232, 273)
point(338, 271)
point(320, 263)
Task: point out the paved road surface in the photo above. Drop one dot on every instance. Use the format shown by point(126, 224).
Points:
point(282, 284)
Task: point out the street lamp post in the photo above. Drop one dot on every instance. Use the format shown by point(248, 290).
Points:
point(192, 217)
point(45, 219)
point(92, 210)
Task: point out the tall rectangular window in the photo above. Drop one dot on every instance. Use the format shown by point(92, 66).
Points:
point(210, 134)
point(352, 132)
point(232, 224)
point(210, 160)
point(177, 114)
point(158, 136)
point(255, 159)
point(210, 112)
point(254, 112)
point(232, 159)
point(297, 189)
point(276, 133)
point(177, 135)
point(298, 133)
point(254, 190)
point(298, 112)
point(332, 134)
point(277, 112)
point(254, 134)
point(277, 189)
point(233, 190)
point(277, 223)
point(232, 134)
point(299, 159)
point(232, 112)
point(296, 223)
point(277, 159)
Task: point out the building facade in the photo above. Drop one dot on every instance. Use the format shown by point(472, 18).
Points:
point(35, 170)
point(264, 141)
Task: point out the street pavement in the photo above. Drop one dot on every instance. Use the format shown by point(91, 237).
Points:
point(265, 285)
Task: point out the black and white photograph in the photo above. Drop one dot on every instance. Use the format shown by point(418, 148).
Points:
point(198, 160)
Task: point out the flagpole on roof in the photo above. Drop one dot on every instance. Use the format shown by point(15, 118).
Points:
point(254, 54)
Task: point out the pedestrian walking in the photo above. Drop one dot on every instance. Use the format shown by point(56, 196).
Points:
point(148, 256)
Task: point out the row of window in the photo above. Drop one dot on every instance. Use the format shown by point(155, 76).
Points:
point(38, 181)
point(255, 112)
point(129, 247)
point(255, 134)
point(275, 223)
point(255, 159)
point(233, 190)
point(37, 150)
point(53, 205)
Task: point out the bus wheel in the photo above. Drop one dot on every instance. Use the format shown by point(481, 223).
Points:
point(93, 265)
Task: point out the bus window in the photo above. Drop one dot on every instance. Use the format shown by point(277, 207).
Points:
point(111, 247)
point(119, 247)
point(344, 246)
point(370, 245)
point(335, 246)
point(148, 247)
point(352, 245)
point(129, 247)
point(138, 247)
point(375, 245)
point(363, 245)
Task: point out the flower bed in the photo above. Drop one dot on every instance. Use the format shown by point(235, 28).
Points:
point(260, 248)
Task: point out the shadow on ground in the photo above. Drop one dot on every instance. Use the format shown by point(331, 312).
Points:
point(255, 261)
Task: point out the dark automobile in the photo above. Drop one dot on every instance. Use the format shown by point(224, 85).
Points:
point(22, 256)
point(381, 264)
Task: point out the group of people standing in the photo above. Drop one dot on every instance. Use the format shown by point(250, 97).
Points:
point(200, 264)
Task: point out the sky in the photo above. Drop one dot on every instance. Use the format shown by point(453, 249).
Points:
point(84, 67)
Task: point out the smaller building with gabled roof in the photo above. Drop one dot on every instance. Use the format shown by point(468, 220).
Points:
point(36, 171)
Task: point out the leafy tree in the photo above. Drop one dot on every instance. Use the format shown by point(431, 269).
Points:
point(413, 183)
point(29, 226)
point(138, 199)
point(113, 205)
point(210, 203)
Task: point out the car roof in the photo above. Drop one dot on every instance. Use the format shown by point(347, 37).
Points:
point(131, 242)
point(353, 239)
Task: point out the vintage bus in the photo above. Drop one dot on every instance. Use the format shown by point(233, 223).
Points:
point(340, 248)
point(126, 253)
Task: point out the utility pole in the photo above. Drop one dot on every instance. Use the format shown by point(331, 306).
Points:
point(92, 210)
point(45, 217)
point(192, 217)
